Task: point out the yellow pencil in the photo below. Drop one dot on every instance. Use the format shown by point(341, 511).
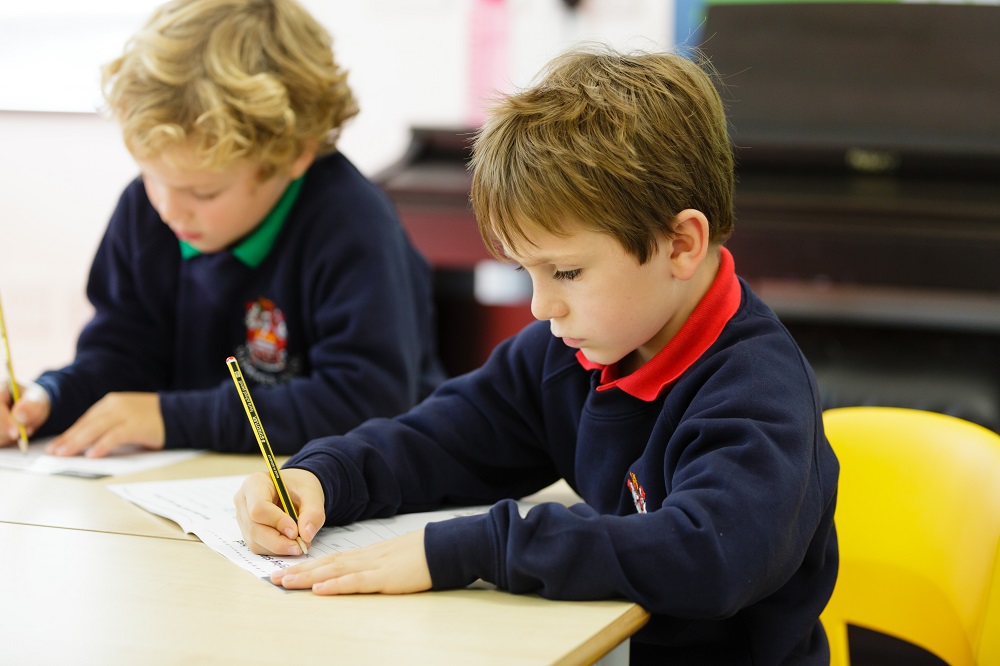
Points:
point(15, 393)
point(265, 447)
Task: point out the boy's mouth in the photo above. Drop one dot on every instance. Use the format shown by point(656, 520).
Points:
point(186, 235)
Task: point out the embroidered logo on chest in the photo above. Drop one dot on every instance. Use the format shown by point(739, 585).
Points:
point(638, 494)
point(265, 354)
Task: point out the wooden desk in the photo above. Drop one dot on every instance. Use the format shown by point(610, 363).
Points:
point(79, 597)
point(92, 579)
point(86, 504)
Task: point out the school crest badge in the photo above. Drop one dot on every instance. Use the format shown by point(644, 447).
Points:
point(264, 357)
point(638, 493)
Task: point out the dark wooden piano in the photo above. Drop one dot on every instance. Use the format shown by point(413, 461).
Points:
point(868, 204)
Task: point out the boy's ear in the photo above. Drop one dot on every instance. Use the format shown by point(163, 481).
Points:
point(689, 244)
point(303, 161)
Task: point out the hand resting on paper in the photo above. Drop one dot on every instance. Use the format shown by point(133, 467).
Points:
point(31, 411)
point(116, 420)
point(396, 566)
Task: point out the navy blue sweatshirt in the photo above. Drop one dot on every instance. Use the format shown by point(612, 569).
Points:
point(736, 554)
point(333, 327)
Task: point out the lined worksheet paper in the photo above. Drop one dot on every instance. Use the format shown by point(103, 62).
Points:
point(124, 461)
point(204, 507)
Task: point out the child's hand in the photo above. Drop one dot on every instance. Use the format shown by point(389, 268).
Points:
point(117, 419)
point(266, 528)
point(31, 411)
point(397, 566)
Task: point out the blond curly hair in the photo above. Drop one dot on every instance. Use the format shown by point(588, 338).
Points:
point(618, 143)
point(238, 79)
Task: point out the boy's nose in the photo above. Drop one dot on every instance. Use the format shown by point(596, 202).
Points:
point(545, 306)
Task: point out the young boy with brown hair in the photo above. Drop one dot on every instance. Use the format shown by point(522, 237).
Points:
point(666, 393)
point(247, 234)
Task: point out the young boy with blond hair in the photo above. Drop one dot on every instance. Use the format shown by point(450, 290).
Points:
point(657, 384)
point(247, 234)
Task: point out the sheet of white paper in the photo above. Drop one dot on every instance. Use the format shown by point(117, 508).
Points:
point(126, 461)
point(204, 507)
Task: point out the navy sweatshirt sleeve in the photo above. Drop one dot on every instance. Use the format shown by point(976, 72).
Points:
point(470, 442)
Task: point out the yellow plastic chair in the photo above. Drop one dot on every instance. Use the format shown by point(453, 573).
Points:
point(918, 519)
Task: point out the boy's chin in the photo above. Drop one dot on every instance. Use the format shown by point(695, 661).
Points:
point(205, 247)
point(599, 357)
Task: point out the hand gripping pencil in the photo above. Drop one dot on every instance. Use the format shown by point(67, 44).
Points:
point(22, 441)
point(265, 447)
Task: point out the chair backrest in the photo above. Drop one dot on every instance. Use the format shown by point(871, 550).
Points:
point(918, 521)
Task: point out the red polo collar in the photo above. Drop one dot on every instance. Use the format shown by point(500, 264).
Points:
point(698, 333)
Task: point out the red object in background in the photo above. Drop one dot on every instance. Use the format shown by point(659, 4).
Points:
point(499, 322)
point(468, 331)
point(488, 56)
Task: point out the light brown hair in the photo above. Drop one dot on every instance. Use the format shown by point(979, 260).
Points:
point(618, 143)
point(241, 79)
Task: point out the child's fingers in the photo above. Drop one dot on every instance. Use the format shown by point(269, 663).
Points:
point(31, 413)
point(311, 518)
point(307, 495)
point(31, 410)
point(397, 566)
point(8, 426)
point(80, 436)
point(265, 526)
point(305, 573)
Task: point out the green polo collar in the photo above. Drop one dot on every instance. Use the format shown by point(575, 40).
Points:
point(253, 249)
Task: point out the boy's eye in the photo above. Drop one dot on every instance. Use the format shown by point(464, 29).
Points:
point(560, 275)
point(567, 275)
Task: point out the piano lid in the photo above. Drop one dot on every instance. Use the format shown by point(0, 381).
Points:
point(860, 87)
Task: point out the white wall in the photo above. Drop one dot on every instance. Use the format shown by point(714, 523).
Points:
point(408, 62)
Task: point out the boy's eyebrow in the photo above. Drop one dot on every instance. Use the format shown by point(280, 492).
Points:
point(200, 187)
point(528, 261)
point(217, 182)
point(531, 262)
point(566, 258)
